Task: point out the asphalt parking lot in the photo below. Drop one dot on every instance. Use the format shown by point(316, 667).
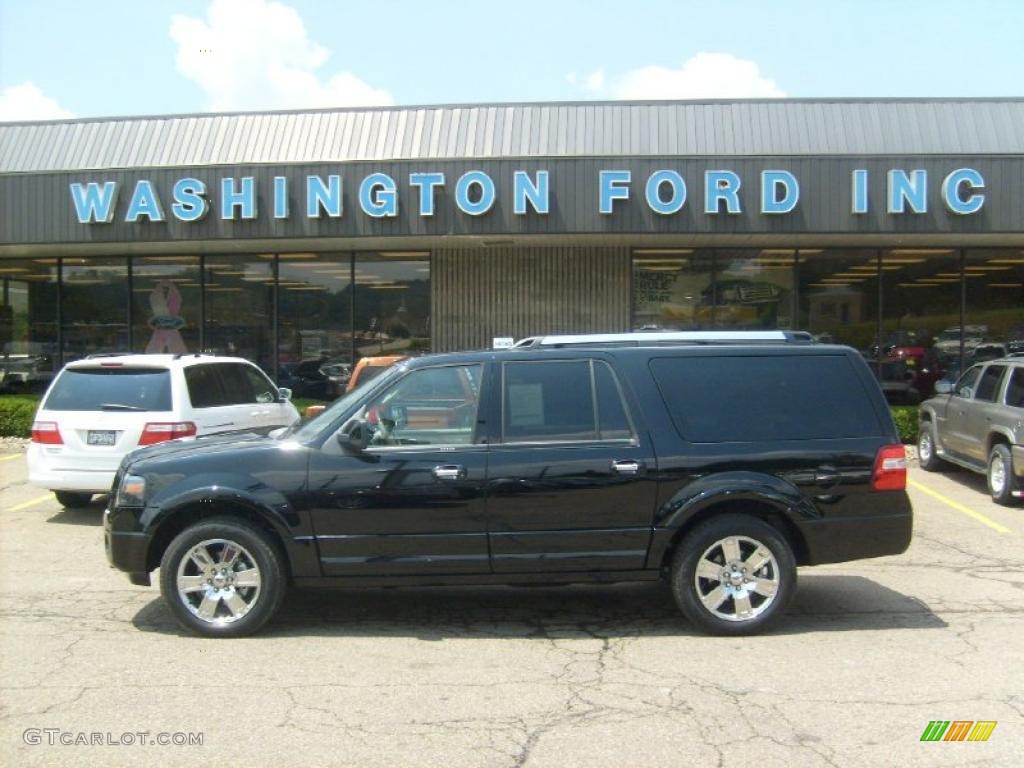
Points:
point(869, 654)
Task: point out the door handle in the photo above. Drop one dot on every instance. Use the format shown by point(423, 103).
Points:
point(826, 477)
point(449, 472)
point(626, 467)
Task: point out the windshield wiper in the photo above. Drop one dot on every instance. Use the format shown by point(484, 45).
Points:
point(119, 407)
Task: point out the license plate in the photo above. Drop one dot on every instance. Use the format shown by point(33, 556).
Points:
point(101, 437)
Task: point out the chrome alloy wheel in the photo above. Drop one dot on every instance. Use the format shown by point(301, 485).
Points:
point(996, 475)
point(737, 578)
point(925, 447)
point(218, 581)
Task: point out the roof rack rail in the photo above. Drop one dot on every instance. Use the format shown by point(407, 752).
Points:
point(96, 355)
point(648, 338)
point(179, 355)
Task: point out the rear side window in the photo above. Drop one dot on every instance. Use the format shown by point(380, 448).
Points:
point(204, 388)
point(988, 385)
point(762, 399)
point(111, 389)
point(562, 401)
point(1015, 389)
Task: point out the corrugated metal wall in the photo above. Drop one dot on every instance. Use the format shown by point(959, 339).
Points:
point(479, 294)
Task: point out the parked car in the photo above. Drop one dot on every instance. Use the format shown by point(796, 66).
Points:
point(718, 467)
point(99, 409)
point(978, 423)
point(368, 368)
point(948, 342)
point(305, 379)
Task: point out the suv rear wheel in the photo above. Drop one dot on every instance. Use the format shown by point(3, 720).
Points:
point(733, 575)
point(1001, 480)
point(222, 578)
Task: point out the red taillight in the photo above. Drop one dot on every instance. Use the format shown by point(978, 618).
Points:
point(890, 472)
point(159, 431)
point(46, 432)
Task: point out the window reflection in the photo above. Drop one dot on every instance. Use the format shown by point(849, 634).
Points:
point(95, 306)
point(754, 289)
point(672, 289)
point(239, 307)
point(995, 301)
point(166, 304)
point(392, 310)
point(838, 290)
point(314, 312)
point(28, 324)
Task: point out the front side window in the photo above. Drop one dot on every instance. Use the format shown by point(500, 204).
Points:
point(965, 386)
point(562, 401)
point(988, 386)
point(259, 385)
point(429, 406)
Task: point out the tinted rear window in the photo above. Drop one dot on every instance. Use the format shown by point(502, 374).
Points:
point(763, 399)
point(111, 389)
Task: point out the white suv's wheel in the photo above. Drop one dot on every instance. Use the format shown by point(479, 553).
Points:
point(733, 575)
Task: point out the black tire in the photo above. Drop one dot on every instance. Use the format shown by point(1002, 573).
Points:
point(926, 455)
point(705, 539)
point(73, 499)
point(256, 546)
point(1000, 464)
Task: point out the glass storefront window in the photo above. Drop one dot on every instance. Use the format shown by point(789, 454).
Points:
point(838, 295)
point(672, 289)
point(392, 296)
point(919, 340)
point(28, 324)
point(166, 304)
point(994, 310)
point(95, 306)
point(754, 289)
point(239, 307)
point(314, 310)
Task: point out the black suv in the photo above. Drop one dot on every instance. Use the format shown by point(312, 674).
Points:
point(717, 466)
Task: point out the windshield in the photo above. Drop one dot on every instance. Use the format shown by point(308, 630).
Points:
point(335, 410)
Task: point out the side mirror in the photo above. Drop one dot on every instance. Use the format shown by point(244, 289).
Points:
point(354, 436)
point(284, 393)
point(943, 387)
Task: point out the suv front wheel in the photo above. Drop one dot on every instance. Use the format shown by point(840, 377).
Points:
point(222, 577)
point(733, 575)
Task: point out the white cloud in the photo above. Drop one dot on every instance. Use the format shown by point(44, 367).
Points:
point(704, 76)
point(26, 102)
point(257, 54)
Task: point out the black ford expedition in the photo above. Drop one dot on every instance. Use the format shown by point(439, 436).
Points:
point(719, 465)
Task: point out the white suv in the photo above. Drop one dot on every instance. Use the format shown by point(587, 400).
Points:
point(99, 409)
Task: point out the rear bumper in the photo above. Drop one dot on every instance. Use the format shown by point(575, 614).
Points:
point(856, 538)
point(44, 471)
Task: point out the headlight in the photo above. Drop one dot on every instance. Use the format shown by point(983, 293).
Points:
point(131, 492)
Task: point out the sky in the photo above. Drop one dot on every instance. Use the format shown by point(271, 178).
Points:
point(69, 58)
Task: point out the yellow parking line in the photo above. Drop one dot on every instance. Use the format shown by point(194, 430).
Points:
point(11, 457)
point(960, 507)
point(31, 503)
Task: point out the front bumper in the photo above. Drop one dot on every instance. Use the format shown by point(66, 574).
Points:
point(127, 547)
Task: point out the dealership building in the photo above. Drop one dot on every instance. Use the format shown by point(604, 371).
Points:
point(332, 234)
